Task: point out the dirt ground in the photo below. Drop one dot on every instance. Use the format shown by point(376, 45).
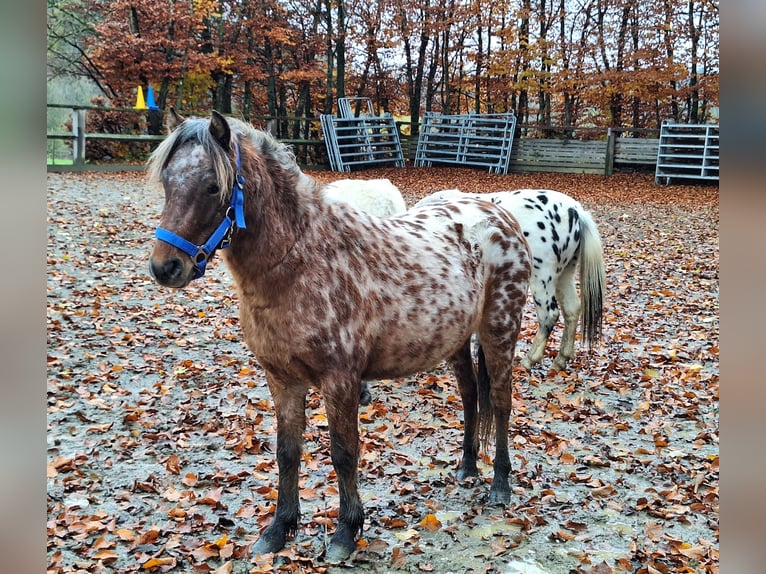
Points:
point(161, 433)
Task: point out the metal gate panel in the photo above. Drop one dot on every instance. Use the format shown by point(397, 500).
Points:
point(361, 141)
point(687, 151)
point(483, 140)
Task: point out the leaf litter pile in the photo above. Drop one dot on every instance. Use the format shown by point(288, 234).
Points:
point(161, 432)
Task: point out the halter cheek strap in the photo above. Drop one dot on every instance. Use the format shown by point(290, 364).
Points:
point(221, 237)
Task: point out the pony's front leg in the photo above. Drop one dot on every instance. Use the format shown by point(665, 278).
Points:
point(290, 406)
point(342, 402)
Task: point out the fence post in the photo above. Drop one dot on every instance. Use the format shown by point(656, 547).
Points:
point(78, 128)
point(609, 161)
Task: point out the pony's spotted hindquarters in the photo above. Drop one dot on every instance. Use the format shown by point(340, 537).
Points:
point(330, 295)
point(561, 234)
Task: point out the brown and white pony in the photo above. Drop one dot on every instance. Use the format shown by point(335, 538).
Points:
point(330, 295)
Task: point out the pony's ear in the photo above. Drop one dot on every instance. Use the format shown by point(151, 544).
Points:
point(174, 119)
point(220, 130)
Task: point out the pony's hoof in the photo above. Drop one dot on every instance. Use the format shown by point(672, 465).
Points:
point(526, 363)
point(499, 498)
point(266, 546)
point(465, 474)
point(559, 364)
point(365, 397)
point(338, 553)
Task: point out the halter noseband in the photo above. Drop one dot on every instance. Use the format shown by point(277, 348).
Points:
point(221, 237)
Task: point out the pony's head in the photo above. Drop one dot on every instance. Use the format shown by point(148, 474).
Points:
point(217, 173)
point(197, 166)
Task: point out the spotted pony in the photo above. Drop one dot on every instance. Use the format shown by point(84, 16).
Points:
point(330, 296)
point(560, 234)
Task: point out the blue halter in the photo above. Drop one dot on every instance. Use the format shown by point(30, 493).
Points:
point(221, 237)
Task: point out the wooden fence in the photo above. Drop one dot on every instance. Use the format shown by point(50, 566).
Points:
point(308, 151)
point(607, 152)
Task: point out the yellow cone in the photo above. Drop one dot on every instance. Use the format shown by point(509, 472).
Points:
point(140, 103)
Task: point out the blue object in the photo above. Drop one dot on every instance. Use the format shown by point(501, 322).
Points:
point(221, 237)
point(150, 99)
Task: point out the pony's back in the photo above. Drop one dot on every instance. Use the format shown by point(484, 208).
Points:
point(378, 197)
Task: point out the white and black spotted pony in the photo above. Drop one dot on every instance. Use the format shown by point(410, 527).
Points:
point(560, 233)
point(378, 197)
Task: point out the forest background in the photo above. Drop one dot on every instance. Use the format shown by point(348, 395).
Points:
point(601, 63)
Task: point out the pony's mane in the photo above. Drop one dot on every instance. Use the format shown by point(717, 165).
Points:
point(195, 129)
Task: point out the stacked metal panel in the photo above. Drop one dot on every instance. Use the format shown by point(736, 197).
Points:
point(483, 140)
point(687, 151)
point(361, 141)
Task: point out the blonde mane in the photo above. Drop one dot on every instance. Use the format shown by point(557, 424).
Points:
point(197, 130)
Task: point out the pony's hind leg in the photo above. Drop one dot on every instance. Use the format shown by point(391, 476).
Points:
point(289, 404)
point(498, 335)
point(566, 293)
point(547, 310)
point(465, 373)
point(496, 374)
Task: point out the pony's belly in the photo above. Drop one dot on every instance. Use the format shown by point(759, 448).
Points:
point(401, 357)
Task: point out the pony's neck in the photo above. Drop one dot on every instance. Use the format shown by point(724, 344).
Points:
point(276, 222)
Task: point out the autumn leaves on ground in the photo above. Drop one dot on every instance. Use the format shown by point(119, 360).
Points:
point(161, 436)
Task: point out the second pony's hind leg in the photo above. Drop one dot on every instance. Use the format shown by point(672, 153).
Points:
point(547, 315)
point(465, 373)
point(566, 293)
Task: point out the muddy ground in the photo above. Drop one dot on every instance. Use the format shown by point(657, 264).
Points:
point(161, 432)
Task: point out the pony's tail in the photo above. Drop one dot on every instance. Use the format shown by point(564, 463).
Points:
point(592, 279)
point(486, 416)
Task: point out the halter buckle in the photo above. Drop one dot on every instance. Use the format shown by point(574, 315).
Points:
point(200, 257)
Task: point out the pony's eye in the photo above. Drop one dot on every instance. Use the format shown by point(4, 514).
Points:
point(213, 189)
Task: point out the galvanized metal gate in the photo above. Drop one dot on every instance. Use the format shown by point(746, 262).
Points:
point(361, 140)
point(687, 151)
point(466, 139)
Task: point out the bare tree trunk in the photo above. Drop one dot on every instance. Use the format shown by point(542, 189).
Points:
point(431, 84)
point(569, 98)
point(543, 84)
point(448, 16)
point(670, 54)
point(415, 68)
point(479, 67)
point(522, 111)
point(616, 99)
point(271, 78)
point(694, 37)
point(635, 32)
point(329, 82)
point(417, 90)
point(340, 54)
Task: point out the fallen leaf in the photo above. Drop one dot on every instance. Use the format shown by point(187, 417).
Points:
point(430, 522)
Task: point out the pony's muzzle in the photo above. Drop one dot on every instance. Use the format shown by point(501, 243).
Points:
point(170, 272)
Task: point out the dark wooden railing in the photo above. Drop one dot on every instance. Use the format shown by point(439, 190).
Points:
point(593, 150)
